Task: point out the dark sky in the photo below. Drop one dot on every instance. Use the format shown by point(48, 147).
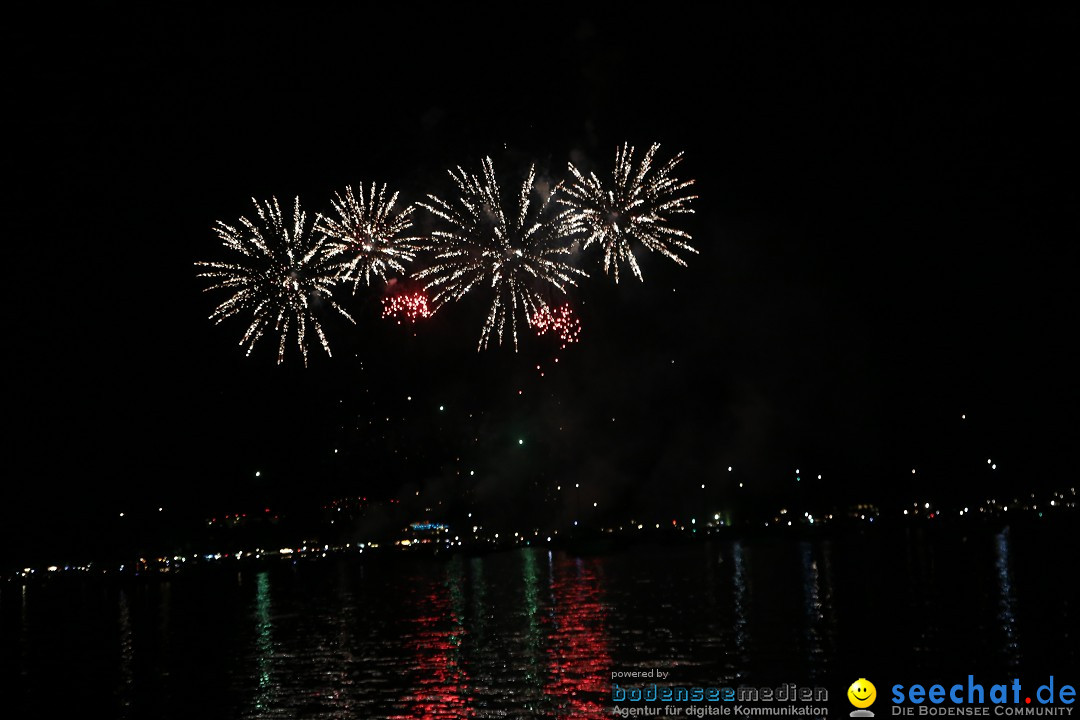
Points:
point(886, 223)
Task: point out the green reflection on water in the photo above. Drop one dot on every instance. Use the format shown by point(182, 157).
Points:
point(534, 639)
point(264, 644)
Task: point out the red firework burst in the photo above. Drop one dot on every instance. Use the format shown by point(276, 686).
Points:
point(561, 322)
point(406, 307)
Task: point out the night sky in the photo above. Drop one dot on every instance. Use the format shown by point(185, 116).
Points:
point(886, 227)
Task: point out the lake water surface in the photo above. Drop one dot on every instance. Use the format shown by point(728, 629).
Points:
point(530, 633)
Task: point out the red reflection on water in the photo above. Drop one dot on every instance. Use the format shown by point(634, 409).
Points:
point(579, 669)
point(440, 679)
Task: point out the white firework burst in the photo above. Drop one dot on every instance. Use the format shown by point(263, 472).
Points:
point(633, 209)
point(283, 277)
point(367, 237)
point(516, 257)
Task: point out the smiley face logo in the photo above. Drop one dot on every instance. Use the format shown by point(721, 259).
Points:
point(862, 693)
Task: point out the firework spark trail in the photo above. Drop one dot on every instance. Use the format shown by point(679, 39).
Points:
point(635, 207)
point(407, 306)
point(367, 237)
point(479, 245)
point(561, 322)
point(284, 274)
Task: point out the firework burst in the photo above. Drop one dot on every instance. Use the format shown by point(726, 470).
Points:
point(408, 307)
point(281, 279)
point(633, 209)
point(560, 321)
point(516, 257)
point(367, 237)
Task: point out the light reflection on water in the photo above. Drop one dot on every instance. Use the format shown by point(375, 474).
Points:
point(579, 661)
point(740, 596)
point(533, 666)
point(530, 633)
point(127, 656)
point(264, 646)
point(1007, 599)
point(24, 631)
point(437, 673)
point(817, 604)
